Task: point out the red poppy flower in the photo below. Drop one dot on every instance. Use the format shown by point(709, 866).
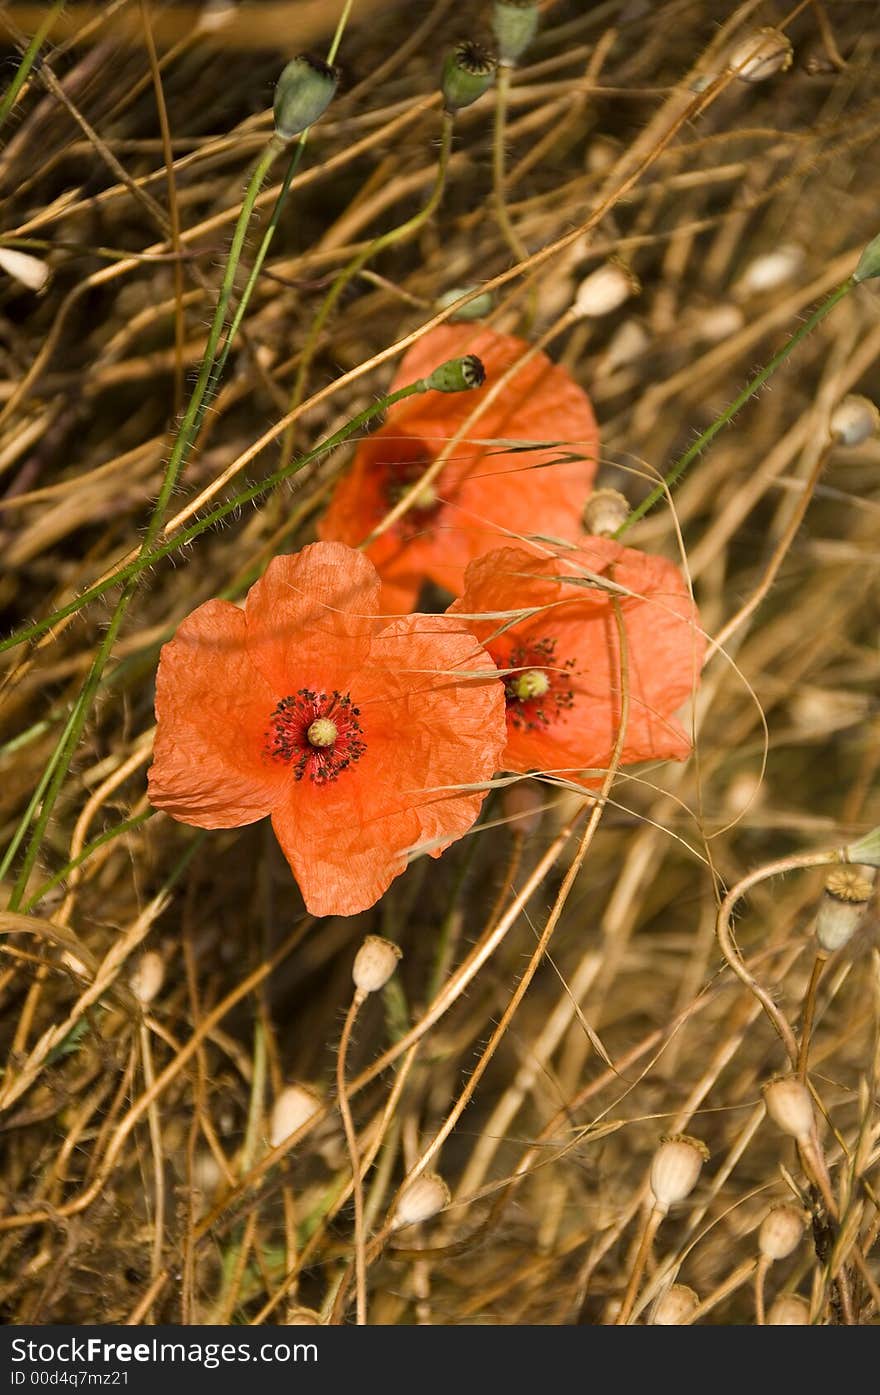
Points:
point(486, 493)
point(563, 687)
point(352, 732)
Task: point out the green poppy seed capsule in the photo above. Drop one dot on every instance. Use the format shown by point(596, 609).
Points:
point(474, 310)
point(515, 23)
point(458, 375)
point(869, 261)
point(866, 851)
point(303, 93)
point(467, 73)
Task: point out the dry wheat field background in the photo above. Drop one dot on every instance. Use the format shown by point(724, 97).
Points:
point(615, 1056)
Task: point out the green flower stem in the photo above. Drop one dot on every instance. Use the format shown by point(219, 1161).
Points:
point(147, 559)
point(108, 836)
point(751, 388)
point(27, 61)
point(511, 237)
point(348, 272)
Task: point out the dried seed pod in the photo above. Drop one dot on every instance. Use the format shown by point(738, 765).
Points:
point(303, 93)
point(374, 964)
point(424, 1198)
point(789, 1310)
point(781, 1232)
point(458, 375)
point(844, 902)
point(467, 73)
point(675, 1307)
point(676, 1167)
point(604, 512)
point(762, 54)
point(790, 1106)
point(30, 271)
point(854, 420)
point(147, 977)
point(771, 270)
point(295, 1105)
point(603, 291)
point(297, 1316)
point(514, 23)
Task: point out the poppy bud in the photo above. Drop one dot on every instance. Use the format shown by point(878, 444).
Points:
point(293, 1107)
point(761, 55)
point(457, 375)
point(523, 805)
point(147, 977)
point(854, 420)
point(790, 1106)
point(605, 512)
point(303, 93)
point(515, 23)
point(426, 1196)
point(789, 1310)
point(675, 1168)
point(675, 1307)
point(474, 310)
point(467, 73)
point(374, 964)
point(869, 261)
point(603, 291)
point(844, 902)
point(781, 1232)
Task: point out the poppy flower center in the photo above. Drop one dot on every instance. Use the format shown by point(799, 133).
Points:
point(317, 733)
point(538, 693)
point(401, 474)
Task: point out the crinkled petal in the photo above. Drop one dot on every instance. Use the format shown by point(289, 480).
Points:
point(664, 650)
point(311, 617)
point(432, 714)
point(213, 709)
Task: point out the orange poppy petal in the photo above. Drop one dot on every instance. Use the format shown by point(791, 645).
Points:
point(213, 709)
point(664, 651)
point(427, 726)
point(486, 492)
point(311, 617)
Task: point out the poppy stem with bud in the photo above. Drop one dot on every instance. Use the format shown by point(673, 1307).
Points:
point(754, 385)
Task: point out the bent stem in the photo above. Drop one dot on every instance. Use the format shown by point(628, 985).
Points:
point(357, 1182)
point(752, 386)
point(348, 272)
point(651, 1226)
point(809, 1013)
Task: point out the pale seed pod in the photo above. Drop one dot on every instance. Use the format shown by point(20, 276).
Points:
point(790, 1106)
point(781, 1232)
point(675, 1307)
point(604, 512)
point(523, 805)
point(844, 902)
point(303, 93)
point(718, 322)
point(676, 1168)
point(457, 375)
point(295, 1105)
point(762, 54)
point(789, 1310)
point(147, 977)
point(602, 292)
point(423, 1198)
point(855, 419)
point(374, 964)
point(30, 271)
point(514, 24)
point(468, 72)
point(771, 270)
point(629, 342)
